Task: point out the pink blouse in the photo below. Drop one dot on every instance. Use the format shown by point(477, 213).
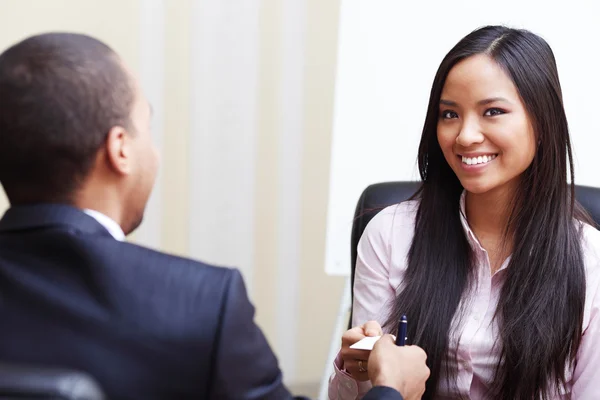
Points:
point(380, 267)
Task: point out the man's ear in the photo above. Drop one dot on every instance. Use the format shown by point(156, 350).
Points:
point(119, 150)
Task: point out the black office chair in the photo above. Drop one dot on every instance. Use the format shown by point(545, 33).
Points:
point(380, 195)
point(25, 382)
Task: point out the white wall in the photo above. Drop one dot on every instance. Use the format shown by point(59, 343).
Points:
point(388, 54)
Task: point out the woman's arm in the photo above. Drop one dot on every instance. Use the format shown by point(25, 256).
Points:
point(373, 294)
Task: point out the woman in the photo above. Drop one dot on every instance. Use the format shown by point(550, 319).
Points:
point(494, 263)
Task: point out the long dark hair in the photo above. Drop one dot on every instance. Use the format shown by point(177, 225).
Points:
point(540, 310)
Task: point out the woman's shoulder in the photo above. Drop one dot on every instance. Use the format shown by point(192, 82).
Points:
point(392, 228)
point(398, 216)
point(386, 241)
point(590, 246)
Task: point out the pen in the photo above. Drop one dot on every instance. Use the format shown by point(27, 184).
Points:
point(401, 338)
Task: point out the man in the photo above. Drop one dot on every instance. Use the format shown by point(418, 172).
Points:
point(77, 164)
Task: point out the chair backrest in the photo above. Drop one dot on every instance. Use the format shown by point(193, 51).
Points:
point(380, 195)
point(41, 383)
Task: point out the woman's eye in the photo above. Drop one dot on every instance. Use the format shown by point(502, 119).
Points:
point(493, 112)
point(448, 114)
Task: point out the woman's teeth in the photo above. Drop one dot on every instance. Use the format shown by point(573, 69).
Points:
point(478, 160)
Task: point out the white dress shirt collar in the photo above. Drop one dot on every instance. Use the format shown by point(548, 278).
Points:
point(111, 226)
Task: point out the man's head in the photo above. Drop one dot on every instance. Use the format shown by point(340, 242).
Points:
point(74, 128)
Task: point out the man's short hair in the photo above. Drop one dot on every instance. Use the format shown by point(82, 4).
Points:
point(60, 94)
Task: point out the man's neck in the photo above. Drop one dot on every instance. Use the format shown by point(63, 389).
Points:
point(103, 201)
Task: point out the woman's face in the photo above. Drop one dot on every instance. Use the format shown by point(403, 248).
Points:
point(483, 128)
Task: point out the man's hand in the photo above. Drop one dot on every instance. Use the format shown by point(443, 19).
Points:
point(400, 367)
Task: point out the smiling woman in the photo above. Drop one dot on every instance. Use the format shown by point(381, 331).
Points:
point(484, 130)
point(493, 261)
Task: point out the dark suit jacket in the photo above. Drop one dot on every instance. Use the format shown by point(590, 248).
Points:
point(146, 325)
point(382, 393)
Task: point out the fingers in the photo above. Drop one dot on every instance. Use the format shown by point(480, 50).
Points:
point(352, 354)
point(414, 352)
point(351, 357)
point(354, 368)
point(420, 354)
point(417, 352)
point(386, 340)
point(372, 328)
point(352, 336)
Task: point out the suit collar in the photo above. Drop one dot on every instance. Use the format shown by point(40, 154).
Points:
point(28, 217)
point(111, 225)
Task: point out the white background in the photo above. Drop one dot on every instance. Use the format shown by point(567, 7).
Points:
point(389, 51)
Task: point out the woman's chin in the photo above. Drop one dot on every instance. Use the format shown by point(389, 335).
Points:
point(477, 187)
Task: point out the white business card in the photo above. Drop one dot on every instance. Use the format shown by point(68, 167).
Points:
point(366, 343)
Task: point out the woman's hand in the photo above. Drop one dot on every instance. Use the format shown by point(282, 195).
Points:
point(355, 361)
